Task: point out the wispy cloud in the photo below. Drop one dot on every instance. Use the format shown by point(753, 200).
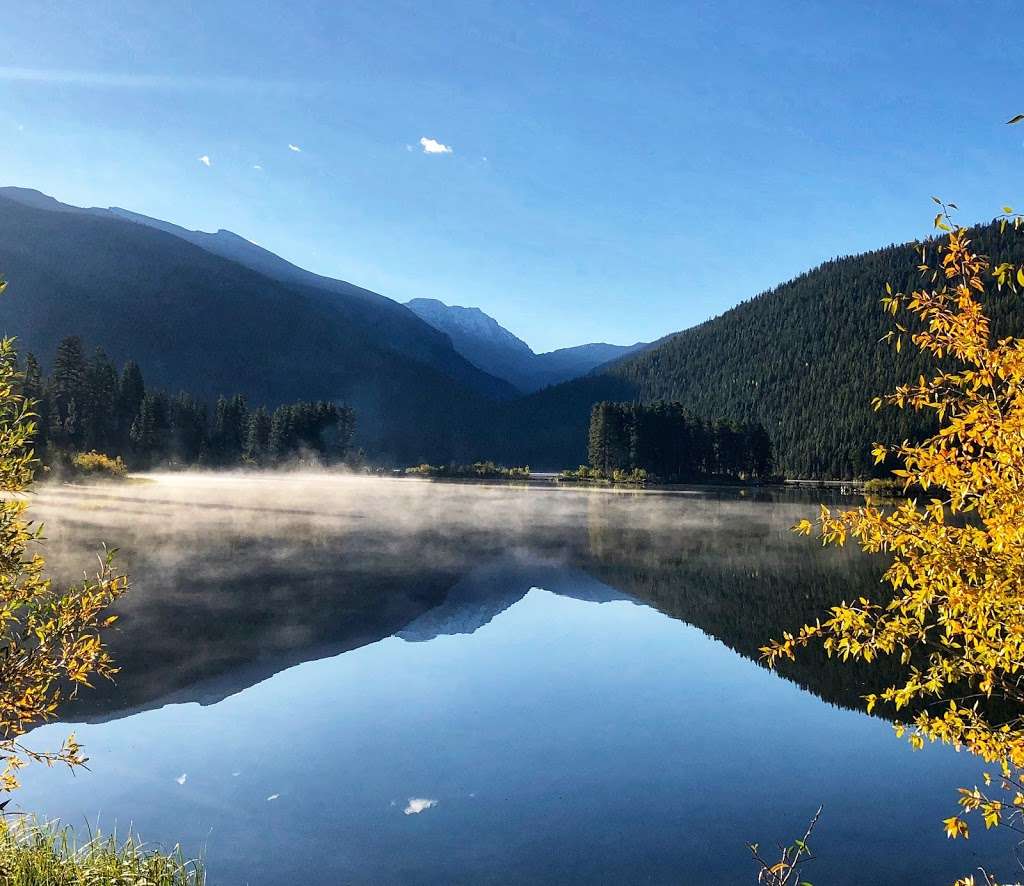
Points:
point(416, 805)
point(432, 146)
point(205, 160)
point(295, 148)
point(102, 79)
point(257, 166)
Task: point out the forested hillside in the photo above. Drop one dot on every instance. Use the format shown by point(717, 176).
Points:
point(803, 359)
point(86, 406)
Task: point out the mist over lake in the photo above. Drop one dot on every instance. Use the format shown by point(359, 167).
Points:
point(354, 680)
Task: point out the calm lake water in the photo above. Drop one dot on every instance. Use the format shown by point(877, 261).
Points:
point(391, 681)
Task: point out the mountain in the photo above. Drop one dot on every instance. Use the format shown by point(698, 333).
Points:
point(491, 347)
point(804, 359)
point(195, 319)
point(490, 588)
point(394, 325)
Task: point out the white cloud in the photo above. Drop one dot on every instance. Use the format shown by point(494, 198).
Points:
point(257, 166)
point(418, 804)
point(272, 797)
point(432, 146)
point(181, 779)
point(205, 160)
point(106, 80)
point(295, 148)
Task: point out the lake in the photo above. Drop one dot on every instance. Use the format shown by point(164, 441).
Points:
point(346, 680)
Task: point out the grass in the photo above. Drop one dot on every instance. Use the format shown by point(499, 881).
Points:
point(33, 854)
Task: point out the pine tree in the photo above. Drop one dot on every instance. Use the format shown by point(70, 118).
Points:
point(99, 403)
point(282, 433)
point(66, 393)
point(130, 394)
point(149, 431)
point(257, 439)
point(34, 391)
point(230, 426)
point(188, 429)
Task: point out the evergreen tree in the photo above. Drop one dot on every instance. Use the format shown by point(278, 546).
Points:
point(130, 394)
point(257, 438)
point(188, 429)
point(661, 439)
point(99, 403)
point(282, 441)
point(66, 393)
point(149, 430)
point(230, 429)
point(33, 390)
point(84, 406)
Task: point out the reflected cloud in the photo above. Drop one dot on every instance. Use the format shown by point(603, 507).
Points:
point(416, 805)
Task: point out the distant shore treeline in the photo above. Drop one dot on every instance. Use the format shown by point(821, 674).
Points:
point(664, 442)
point(86, 405)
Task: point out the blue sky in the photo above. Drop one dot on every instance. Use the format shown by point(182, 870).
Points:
point(617, 171)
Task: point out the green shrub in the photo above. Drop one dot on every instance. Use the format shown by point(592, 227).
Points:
point(32, 854)
point(481, 470)
point(635, 477)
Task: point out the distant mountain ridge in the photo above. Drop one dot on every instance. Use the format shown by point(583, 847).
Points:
point(423, 328)
point(490, 346)
point(196, 319)
point(399, 328)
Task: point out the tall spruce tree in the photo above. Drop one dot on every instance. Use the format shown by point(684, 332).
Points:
point(33, 389)
point(257, 438)
point(67, 393)
point(130, 394)
point(99, 403)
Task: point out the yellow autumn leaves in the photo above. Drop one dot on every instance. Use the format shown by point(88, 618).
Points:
point(50, 639)
point(953, 611)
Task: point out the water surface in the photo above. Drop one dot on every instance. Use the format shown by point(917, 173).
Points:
point(331, 680)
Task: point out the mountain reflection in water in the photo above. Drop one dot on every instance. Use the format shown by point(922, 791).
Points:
point(372, 681)
point(233, 582)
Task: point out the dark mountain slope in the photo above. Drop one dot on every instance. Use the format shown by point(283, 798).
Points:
point(390, 324)
point(804, 359)
point(195, 320)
